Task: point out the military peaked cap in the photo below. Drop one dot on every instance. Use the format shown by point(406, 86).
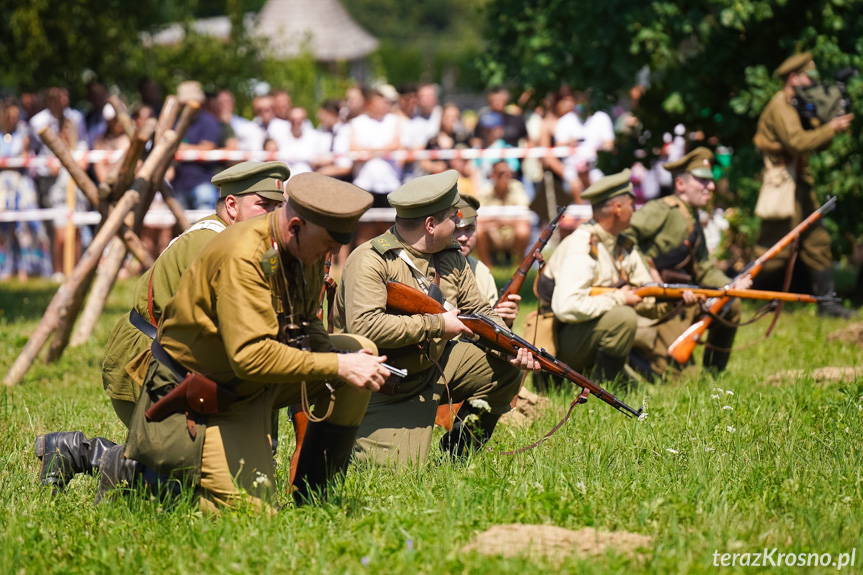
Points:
point(332, 204)
point(796, 63)
point(608, 187)
point(426, 195)
point(468, 205)
point(262, 178)
point(697, 162)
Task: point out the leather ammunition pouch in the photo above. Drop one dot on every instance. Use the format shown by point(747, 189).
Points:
point(196, 393)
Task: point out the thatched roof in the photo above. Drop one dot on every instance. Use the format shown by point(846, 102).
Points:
point(321, 26)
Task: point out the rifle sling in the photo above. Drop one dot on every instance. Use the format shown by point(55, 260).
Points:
point(582, 398)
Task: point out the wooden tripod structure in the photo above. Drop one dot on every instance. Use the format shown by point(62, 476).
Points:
point(123, 199)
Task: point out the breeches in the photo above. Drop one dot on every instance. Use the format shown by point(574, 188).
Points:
point(397, 430)
point(613, 333)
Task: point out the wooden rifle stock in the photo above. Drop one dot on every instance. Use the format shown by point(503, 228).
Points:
point(405, 300)
point(675, 291)
point(513, 286)
point(681, 349)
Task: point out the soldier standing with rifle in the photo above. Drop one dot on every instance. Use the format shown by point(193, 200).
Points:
point(786, 146)
point(247, 190)
point(419, 251)
point(669, 233)
point(242, 330)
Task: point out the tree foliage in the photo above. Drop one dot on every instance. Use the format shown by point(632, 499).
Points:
point(710, 67)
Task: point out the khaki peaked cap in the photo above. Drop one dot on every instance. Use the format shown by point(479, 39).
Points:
point(796, 63)
point(609, 187)
point(262, 178)
point(697, 162)
point(332, 204)
point(426, 195)
point(468, 206)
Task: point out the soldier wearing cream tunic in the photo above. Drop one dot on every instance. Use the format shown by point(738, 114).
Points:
point(252, 282)
point(597, 332)
point(419, 251)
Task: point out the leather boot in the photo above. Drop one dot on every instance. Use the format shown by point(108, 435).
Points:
point(823, 285)
point(608, 368)
point(65, 453)
point(466, 437)
point(117, 471)
point(323, 459)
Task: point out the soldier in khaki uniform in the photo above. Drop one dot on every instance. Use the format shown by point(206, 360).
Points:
point(247, 190)
point(244, 316)
point(465, 235)
point(419, 251)
point(668, 231)
point(783, 141)
point(597, 332)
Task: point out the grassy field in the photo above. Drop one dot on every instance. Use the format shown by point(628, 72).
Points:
point(734, 464)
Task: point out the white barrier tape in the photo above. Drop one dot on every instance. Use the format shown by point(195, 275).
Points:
point(163, 217)
point(95, 156)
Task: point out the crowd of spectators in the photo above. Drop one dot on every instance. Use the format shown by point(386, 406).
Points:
point(374, 120)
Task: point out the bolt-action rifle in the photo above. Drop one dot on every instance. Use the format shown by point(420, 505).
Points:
point(681, 349)
point(405, 300)
point(513, 286)
point(675, 291)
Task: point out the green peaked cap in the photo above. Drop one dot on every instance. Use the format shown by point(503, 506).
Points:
point(468, 205)
point(425, 195)
point(698, 162)
point(608, 187)
point(263, 178)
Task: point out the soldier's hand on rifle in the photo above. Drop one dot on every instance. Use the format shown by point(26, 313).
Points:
point(744, 282)
point(689, 298)
point(453, 327)
point(508, 310)
point(632, 298)
point(841, 123)
point(363, 369)
point(525, 360)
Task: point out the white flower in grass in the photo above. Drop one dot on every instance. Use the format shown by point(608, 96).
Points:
point(261, 479)
point(727, 408)
point(719, 389)
point(581, 486)
point(672, 451)
point(709, 449)
point(730, 429)
point(729, 392)
point(846, 499)
point(480, 405)
point(714, 396)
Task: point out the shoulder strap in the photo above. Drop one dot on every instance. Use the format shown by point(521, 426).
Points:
point(675, 202)
point(385, 242)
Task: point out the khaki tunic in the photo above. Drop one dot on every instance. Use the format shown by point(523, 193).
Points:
point(662, 225)
point(397, 429)
point(484, 280)
point(128, 342)
point(779, 126)
point(222, 323)
point(591, 257)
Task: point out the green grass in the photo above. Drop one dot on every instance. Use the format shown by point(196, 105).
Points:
point(788, 476)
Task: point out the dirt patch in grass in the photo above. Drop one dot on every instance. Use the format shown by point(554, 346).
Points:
point(823, 376)
point(850, 334)
point(557, 543)
point(528, 408)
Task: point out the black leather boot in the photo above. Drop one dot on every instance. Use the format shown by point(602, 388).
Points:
point(117, 471)
point(65, 453)
point(465, 437)
point(823, 285)
point(323, 459)
point(608, 368)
